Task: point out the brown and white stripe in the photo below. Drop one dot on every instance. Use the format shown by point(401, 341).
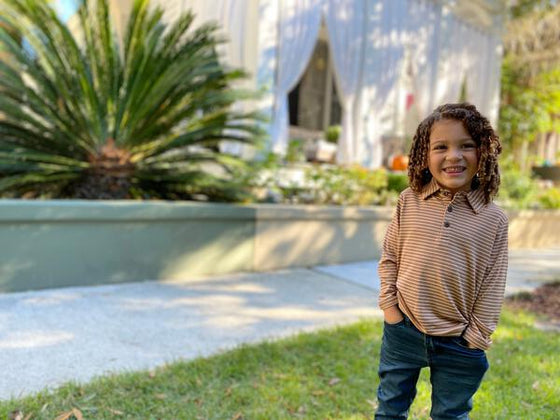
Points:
point(444, 263)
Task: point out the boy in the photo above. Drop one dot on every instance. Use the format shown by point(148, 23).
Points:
point(443, 267)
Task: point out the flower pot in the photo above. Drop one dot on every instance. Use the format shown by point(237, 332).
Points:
point(320, 150)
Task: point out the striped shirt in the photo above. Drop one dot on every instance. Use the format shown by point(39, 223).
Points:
point(444, 263)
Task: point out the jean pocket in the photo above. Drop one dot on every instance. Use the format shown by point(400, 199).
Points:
point(464, 344)
point(396, 324)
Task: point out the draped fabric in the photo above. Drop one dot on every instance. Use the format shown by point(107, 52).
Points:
point(347, 28)
point(267, 54)
point(298, 28)
point(477, 46)
point(449, 52)
point(367, 43)
point(384, 59)
point(229, 14)
point(493, 71)
point(424, 32)
point(453, 60)
point(233, 16)
point(474, 58)
point(483, 76)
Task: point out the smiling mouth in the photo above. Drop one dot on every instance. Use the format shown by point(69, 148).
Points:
point(454, 169)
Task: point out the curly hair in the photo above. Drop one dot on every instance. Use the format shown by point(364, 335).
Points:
point(479, 128)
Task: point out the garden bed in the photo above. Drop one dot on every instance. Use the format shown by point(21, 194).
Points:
point(545, 301)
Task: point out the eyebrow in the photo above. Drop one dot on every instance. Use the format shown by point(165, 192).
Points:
point(445, 140)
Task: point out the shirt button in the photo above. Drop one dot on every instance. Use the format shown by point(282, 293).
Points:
point(446, 224)
point(450, 209)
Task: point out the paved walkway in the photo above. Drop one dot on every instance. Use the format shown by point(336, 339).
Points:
point(53, 336)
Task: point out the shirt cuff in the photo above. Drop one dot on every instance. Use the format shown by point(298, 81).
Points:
point(475, 338)
point(388, 301)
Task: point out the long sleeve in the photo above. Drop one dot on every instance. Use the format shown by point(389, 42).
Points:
point(488, 304)
point(388, 265)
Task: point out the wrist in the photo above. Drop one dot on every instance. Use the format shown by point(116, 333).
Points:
point(393, 315)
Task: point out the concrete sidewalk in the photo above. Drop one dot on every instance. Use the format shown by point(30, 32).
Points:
point(53, 336)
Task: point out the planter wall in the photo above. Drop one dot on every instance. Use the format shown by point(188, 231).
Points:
point(49, 244)
point(77, 243)
point(302, 236)
point(534, 229)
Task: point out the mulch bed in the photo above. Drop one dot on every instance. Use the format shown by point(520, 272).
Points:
point(545, 300)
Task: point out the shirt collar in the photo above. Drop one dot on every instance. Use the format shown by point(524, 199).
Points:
point(475, 198)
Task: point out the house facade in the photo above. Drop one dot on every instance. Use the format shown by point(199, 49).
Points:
point(374, 67)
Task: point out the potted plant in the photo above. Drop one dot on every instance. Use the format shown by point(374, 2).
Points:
point(324, 149)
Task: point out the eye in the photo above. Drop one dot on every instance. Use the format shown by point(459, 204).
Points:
point(439, 147)
point(469, 146)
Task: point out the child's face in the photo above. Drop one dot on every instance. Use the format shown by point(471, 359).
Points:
point(453, 155)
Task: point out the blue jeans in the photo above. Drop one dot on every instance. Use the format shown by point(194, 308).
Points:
point(455, 372)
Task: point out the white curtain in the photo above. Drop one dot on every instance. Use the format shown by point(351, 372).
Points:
point(233, 16)
point(464, 53)
point(298, 27)
point(493, 70)
point(477, 44)
point(479, 64)
point(384, 59)
point(347, 25)
point(424, 35)
point(267, 58)
point(453, 60)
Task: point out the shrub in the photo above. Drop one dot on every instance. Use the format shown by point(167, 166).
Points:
point(550, 198)
point(97, 117)
point(333, 133)
point(295, 152)
point(397, 182)
point(517, 190)
point(347, 186)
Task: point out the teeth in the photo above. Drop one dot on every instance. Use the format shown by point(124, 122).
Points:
point(454, 169)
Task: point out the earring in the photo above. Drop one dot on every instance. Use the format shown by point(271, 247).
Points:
point(426, 176)
point(475, 183)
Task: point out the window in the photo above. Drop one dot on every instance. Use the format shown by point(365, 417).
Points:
point(313, 103)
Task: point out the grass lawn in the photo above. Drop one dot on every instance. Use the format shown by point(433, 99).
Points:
point(325, 375)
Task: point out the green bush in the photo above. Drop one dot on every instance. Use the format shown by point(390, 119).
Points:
point(333, 133)
point(295, 151)
point(259, 177)
point(517, 190)
point(550, 199)
point(348, 186)
point(104, 117)
point(397, 182)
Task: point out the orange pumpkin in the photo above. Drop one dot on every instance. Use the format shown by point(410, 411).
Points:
point(399, 163)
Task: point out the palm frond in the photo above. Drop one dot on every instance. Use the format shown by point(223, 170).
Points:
point(87, 111)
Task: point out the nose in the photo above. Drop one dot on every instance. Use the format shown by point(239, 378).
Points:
point(455, 154)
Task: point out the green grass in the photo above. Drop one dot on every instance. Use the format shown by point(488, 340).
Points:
point(325, 375)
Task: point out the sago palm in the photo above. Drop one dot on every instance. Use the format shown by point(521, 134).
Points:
point(86, 114)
